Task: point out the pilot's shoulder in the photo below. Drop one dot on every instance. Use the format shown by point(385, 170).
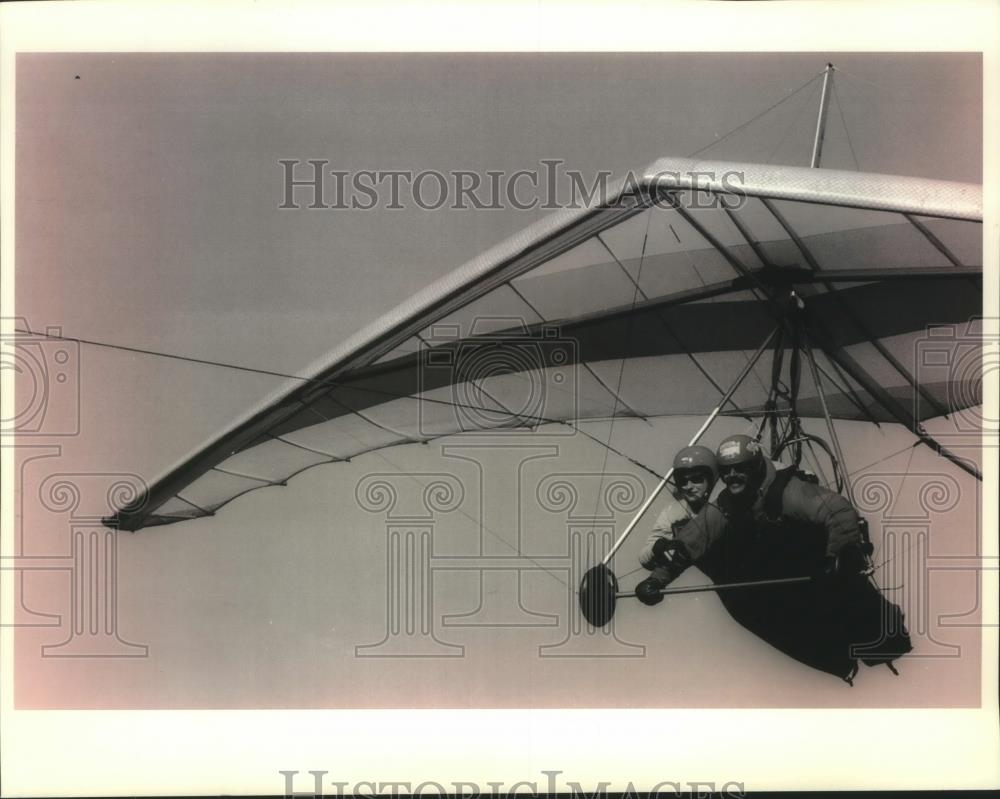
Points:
point(806, 496)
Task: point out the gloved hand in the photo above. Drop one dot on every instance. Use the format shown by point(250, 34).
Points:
point(669, 552)
point(848, 563)
point(660, 548)
point(648, 591)
point(827, 571)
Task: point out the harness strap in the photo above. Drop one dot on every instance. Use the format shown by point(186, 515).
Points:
point(773, 506)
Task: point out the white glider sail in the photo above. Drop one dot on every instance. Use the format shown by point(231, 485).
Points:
point(643, 304)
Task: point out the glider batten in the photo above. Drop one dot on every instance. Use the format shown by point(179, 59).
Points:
point(632, 333)
point(500, 265)
point(494, 268)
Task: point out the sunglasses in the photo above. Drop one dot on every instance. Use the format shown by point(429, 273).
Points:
point(742, 468)
point(683, 479)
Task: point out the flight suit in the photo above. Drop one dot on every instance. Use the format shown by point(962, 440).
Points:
point(788, 532)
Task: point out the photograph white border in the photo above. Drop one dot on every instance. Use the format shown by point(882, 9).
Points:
point(237, 752)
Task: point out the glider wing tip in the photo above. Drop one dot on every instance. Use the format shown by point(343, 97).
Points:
point(121, 521)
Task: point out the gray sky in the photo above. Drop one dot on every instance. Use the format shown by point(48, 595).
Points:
point(147, 201)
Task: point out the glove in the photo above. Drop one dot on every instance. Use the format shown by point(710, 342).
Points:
point(671, 553)
point(660, 548)
point(648, 591)
point(826, 574)
point(848, 563)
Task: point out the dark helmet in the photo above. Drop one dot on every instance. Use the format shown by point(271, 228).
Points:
point(738, 450)
point(697, 458)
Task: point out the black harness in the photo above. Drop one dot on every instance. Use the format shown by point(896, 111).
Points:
point(830, 629)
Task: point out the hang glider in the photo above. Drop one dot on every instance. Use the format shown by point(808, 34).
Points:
point(641, 304)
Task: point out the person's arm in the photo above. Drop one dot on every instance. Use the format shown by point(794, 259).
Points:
point(658, 556)
point(685, 542)
point(696, 537)
point(672, 516)
point(819, 506)
point(670, 554)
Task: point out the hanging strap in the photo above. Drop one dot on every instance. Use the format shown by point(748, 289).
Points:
point(773, 505)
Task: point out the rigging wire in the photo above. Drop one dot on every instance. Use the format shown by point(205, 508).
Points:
point(847, 132)
point(890, 456)
point(906, 471)
point(794, 122)
point(888, 559)
point(845, 387)
point(746, 357)
point(378, 453)
point(817, 462)
point(607, 447)
point(536, 420)
point(520, 295)
point(730, 257)
point(172, 356)
point(326, 382)
point(852, 77)
point(740, 127)
point(666, 326)
point(636, 292)
point(482, 524)
point(334, 384)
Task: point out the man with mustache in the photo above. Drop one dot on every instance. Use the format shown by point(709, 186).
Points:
point(781, 524)
point(780, 508)
point(769, 524)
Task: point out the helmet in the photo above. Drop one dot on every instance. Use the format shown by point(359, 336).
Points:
point(691, 458)
point(739, 449)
